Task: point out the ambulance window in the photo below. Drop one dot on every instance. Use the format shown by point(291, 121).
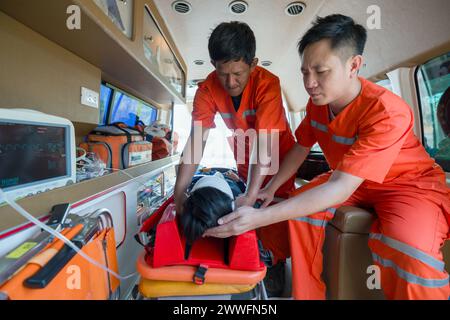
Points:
point(386, 83)
point(218, 152)
point(182, 124)
point(316, 148)
point(433, 83)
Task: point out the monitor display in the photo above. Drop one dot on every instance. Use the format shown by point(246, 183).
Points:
point(105, 99)
point(127, 109)
point(118, 106)
point(30, 153)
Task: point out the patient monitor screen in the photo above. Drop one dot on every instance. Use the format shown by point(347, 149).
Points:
point(30, 153)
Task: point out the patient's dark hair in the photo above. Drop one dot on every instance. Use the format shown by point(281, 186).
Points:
point(341, 30)
point(201, 211)
point(232, 41)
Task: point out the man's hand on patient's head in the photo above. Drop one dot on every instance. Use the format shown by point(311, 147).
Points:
point(236, 223)
point(266, 195)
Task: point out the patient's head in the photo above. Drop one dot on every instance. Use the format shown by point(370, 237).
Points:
point(202, 210)
point(210, 199)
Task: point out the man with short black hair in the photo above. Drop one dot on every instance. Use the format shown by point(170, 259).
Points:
point(248, 98)
point(366, 134)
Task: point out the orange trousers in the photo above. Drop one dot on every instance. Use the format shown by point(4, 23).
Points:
point(405, 242)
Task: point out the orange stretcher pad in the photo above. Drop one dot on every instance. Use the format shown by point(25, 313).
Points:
point(226, 268)
point(171, 281)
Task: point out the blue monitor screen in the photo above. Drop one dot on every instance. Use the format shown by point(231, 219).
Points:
point(124, 108)
point(30, 153)
point(127, 109)
point(105, 98)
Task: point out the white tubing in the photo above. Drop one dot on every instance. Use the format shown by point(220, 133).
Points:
point(58, 235)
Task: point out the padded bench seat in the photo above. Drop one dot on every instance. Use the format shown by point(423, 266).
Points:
point(347, 256)
point(353, 220)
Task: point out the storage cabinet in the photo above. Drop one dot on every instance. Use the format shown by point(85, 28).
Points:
point(112, 46)
point(120, 12)
point(158, 52)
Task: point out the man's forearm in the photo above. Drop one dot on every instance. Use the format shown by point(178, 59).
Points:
point(339, 187)
point(259, 164)
point(184, 177)
point(254, 181)
point(190, 159)
point(309, 202)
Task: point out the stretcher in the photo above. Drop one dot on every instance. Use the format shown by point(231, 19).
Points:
point(210, 268)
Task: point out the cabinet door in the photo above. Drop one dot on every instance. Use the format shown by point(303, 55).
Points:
point(120, 12)
point(158, 52)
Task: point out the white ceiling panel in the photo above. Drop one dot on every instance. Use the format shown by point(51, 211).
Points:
point(408, 28)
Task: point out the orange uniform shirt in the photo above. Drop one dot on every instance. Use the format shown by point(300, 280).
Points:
point(373, 138)
point(261, 108)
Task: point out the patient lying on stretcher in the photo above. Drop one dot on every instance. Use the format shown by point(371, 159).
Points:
point(211, 196)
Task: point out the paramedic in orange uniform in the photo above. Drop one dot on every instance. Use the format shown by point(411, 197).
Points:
point(366, 134)
point(248, 98)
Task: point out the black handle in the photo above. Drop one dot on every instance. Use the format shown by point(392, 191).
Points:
point(58, 214)
point(45, 275)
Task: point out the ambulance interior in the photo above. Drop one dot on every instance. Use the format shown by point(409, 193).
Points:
point(98, 62)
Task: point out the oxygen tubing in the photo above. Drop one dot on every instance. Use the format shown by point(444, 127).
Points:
point(56, 234)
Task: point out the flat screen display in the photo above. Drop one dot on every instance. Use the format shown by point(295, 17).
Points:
point(30, 153)
point(127, 109)
point(117, 106)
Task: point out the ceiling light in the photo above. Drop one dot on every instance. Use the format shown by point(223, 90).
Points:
point(182, 7)
point(295, 9)
point(238, 7)
point(199, 62)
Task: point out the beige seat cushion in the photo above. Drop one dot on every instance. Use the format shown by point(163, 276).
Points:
point(358, 221)
point(353, 220)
